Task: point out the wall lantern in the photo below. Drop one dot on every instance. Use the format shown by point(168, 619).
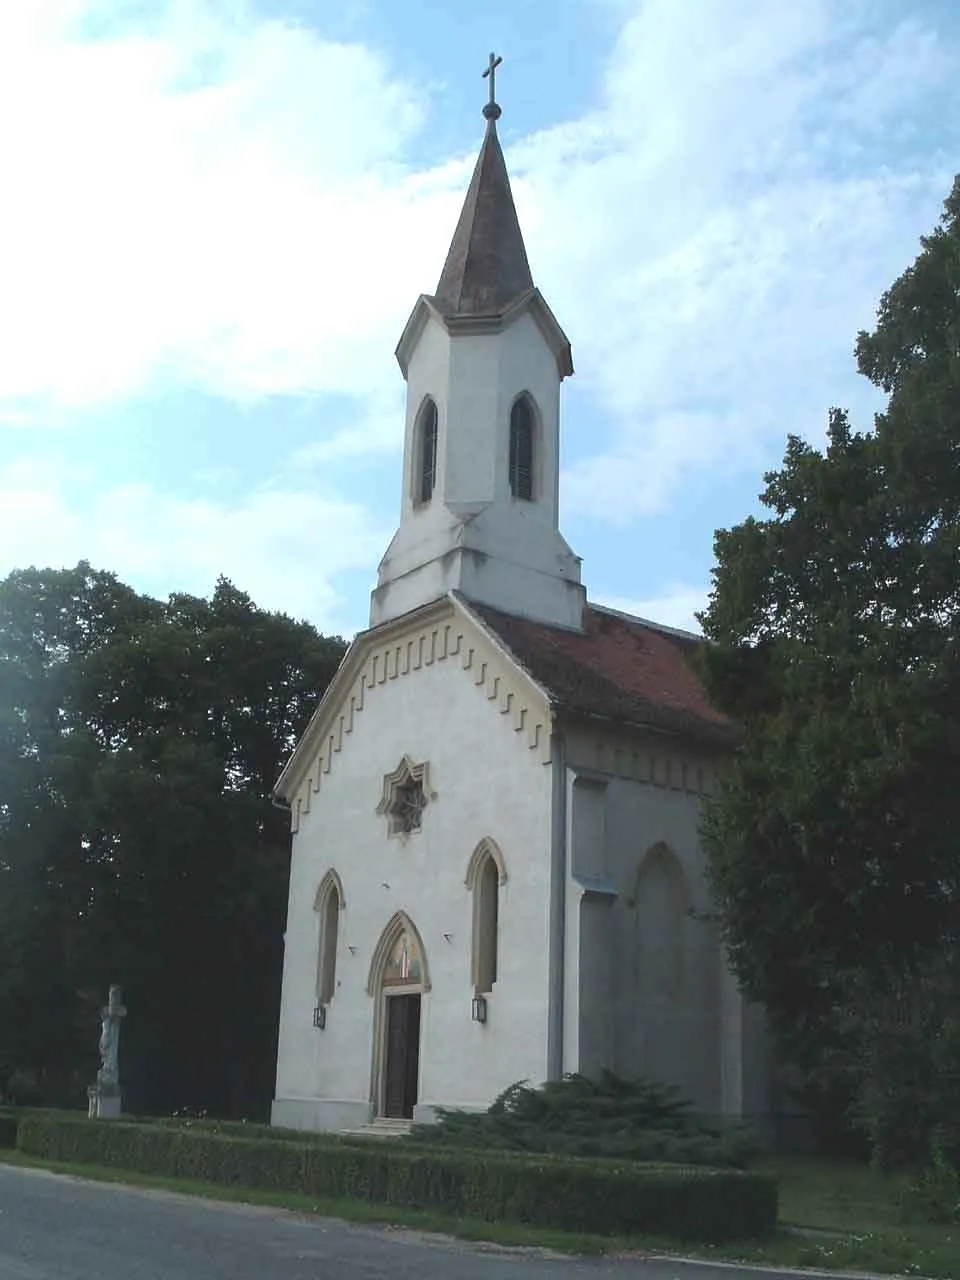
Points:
point(479, 1008)
point(320, 1017)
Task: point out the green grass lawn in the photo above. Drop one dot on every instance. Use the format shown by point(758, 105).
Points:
point(835, 1195)
point(834, 1215)
point(860, 1208)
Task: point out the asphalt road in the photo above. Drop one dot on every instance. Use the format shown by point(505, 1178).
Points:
point(60, 1228)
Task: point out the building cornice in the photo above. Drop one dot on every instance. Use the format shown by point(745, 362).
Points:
point(533, 301)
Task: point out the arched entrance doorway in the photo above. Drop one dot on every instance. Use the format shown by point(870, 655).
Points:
point(398, 982)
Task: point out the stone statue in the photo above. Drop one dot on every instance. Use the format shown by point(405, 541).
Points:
point(104, 1096)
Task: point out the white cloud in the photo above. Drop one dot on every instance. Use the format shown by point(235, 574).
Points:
point(718, 231)
point(376, 430)
point(201, 196)
point(208, 197)
point(285, 546)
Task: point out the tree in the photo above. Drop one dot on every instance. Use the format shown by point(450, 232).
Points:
point(836, 646)
point(139, 744)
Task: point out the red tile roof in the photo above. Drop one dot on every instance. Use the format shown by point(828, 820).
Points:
point(619, 668)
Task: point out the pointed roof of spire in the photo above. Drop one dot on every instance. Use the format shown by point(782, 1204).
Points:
point(486, 280)
point(486, 270)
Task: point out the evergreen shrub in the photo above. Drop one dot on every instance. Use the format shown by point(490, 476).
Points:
point(607, 1117)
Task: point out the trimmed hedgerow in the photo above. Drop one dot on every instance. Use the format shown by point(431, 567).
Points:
point(601, 1197)
point(605, 1117)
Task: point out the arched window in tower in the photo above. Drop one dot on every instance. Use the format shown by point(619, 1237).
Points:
point(521, 449)
point(328, 904)
point(485, 875)
point(426, 452)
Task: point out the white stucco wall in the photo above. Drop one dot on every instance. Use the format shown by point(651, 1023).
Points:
point(628, 1006)
point(488, 783)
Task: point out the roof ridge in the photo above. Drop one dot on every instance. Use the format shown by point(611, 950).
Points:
point(680, 632)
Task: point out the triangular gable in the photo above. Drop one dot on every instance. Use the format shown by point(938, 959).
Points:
point(446, 630)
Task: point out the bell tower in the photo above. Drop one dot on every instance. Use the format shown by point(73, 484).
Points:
point(483, 358)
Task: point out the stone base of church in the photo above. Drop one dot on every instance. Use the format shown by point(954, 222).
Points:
point(336, 1114)
point(426, 1112)
point(319, 1113)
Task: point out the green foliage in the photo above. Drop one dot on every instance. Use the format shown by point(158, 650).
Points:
point(908, 1032)
point(836, 646)
point(934, 1197)
point(139, 743)
point(606, 1198)
point(607, 1117)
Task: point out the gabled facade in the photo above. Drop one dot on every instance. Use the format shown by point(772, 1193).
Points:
point(428, 699)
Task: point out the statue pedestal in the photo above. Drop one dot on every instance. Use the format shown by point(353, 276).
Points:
point(103, 1102)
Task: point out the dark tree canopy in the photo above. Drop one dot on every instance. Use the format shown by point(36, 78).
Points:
point(836, 644)
point(139, 744)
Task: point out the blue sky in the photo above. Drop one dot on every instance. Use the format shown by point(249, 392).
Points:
point(217, 216)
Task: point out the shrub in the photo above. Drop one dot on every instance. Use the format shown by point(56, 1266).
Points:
point(8, 1130)
point(577, 1116)
point(934, 1195)
point(602, 1197)
point(909, 1030)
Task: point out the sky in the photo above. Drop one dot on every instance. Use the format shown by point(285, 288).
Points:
point(218, 214)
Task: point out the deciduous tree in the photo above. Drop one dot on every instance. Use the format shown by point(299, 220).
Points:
point(836, 645)
point(139, 744)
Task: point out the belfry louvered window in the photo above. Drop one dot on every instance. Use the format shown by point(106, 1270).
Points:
point(426, 452)
point(521, 450)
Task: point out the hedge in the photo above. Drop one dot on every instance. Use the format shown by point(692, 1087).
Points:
point(8, 1130)
point(603, 1198)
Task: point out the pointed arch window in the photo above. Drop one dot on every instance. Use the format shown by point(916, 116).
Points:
point(328, 905)
point(426, 452)
point(485, 875)
point(521, 449)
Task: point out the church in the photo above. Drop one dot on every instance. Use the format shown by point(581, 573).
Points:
point(496, 871)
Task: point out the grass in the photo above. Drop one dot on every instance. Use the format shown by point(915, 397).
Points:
point(858, 1210)
point(854, 1207)
point(835, 1195)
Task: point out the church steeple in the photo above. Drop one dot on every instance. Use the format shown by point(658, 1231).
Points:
point(483, 358)
point(486, 270)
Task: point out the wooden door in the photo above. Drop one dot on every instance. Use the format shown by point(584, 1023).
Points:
point(402, 1064)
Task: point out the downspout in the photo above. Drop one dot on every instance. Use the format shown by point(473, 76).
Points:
point(558, 904)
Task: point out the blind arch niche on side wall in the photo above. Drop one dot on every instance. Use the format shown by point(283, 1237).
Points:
point(661, 904)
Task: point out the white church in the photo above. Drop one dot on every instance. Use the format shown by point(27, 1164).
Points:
point(496, 871)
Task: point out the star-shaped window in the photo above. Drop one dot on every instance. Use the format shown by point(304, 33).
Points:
point(405, 796)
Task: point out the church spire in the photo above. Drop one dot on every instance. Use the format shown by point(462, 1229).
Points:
point(484, 359)
point(486, 270)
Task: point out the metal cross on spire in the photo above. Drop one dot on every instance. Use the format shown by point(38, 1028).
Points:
point(492, 111)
